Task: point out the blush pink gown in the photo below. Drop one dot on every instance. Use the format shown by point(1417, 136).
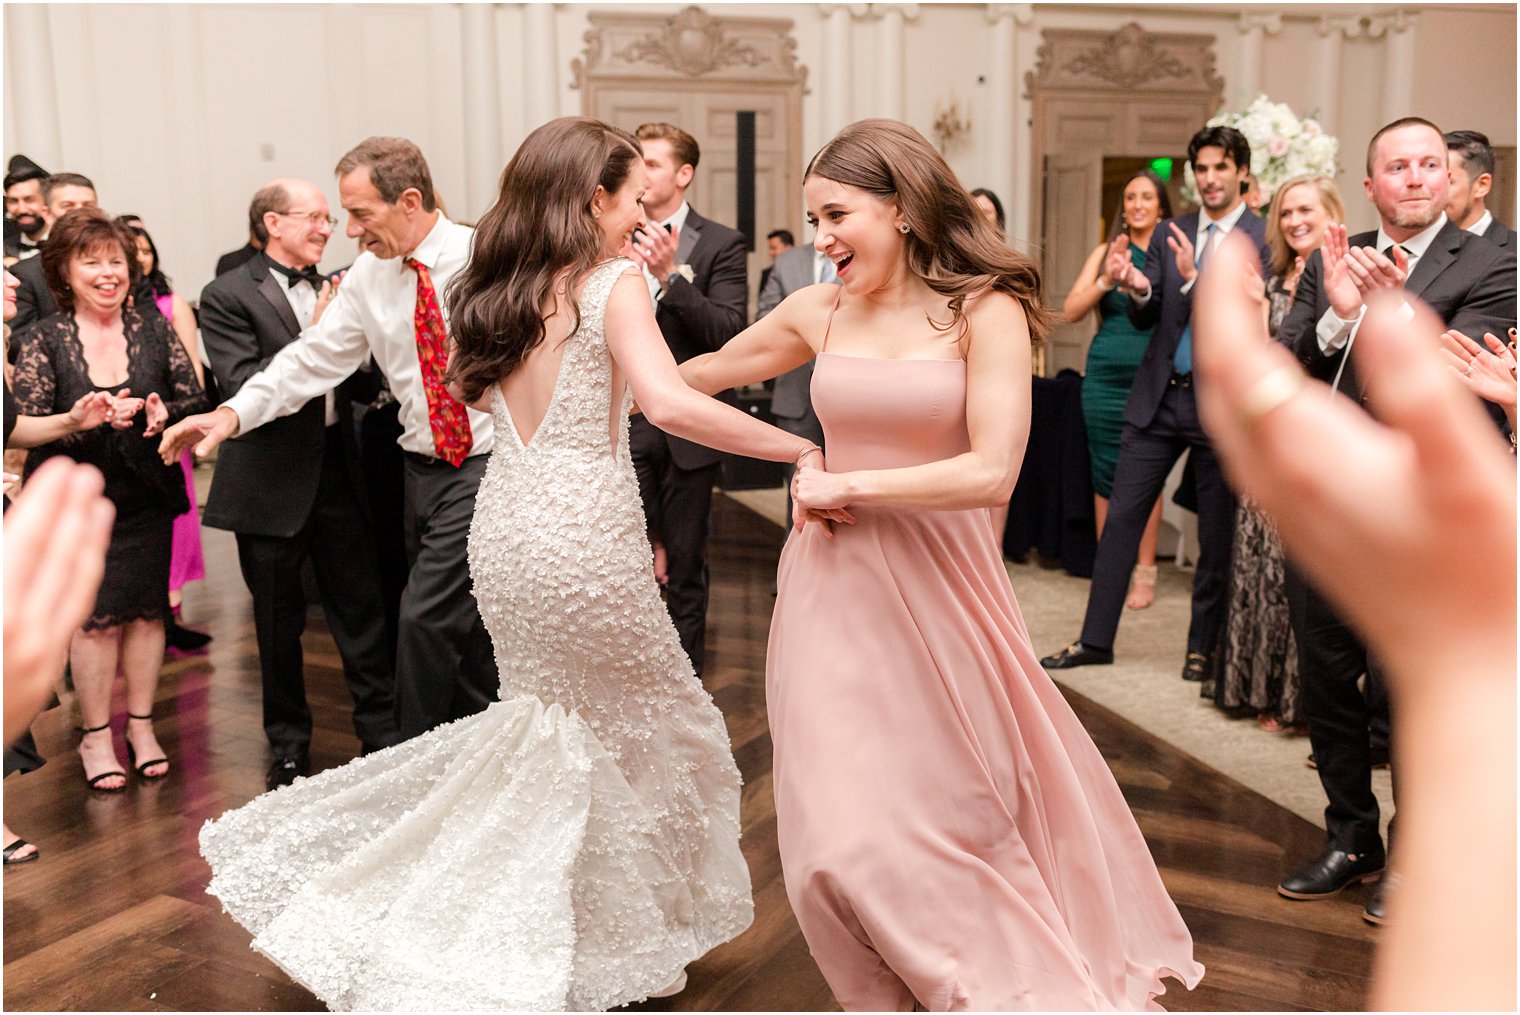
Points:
point(949, 834)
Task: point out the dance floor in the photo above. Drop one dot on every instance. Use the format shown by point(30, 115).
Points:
point(115, 917)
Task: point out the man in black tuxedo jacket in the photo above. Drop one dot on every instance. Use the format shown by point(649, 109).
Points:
point(292, 490)
point(1161, 416)
point(1472, 180)
point(697, 275)
point(1470, 283)
point(61, 193)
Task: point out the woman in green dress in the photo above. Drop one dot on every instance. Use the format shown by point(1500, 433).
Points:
point(1114, 357)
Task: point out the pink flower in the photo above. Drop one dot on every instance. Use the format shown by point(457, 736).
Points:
point(1277, 147)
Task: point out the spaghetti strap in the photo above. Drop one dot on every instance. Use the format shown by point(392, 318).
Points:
point(837, 297)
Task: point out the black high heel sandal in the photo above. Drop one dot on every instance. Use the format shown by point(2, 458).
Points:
point(141, 769)
point(94, 783)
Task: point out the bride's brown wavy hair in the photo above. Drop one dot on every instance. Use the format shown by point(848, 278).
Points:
point(951, 245)
point(540, 225)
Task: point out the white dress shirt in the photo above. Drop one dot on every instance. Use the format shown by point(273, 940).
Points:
point(676, 223)
point(371, 315)
point(1480, 227)
point(1334, 331)
point(1222, 227)
point(303, 303)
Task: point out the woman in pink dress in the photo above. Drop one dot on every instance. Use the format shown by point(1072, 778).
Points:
point(949, 834)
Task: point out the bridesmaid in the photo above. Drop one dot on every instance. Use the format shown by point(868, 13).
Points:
point(1114, 357)
point(1258, 659)
point(950, 837)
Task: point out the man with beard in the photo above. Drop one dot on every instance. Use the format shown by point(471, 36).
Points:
point(1470, 283)
point(1161, 416)
point(24, 207)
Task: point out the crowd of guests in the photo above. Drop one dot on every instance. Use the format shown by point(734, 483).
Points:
point(352, 460)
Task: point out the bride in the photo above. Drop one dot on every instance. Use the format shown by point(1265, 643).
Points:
point(575, 845)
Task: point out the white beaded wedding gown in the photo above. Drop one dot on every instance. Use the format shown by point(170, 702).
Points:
point(573, 846)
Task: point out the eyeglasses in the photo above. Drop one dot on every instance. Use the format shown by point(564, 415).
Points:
point(316, 218)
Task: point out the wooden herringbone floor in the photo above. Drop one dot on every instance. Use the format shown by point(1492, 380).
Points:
point(114, 916)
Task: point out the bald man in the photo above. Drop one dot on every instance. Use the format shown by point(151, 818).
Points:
point(292, 490)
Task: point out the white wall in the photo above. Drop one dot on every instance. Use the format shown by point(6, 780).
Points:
point(180, 112)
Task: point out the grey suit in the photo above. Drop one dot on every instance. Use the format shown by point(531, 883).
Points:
point(791, 398)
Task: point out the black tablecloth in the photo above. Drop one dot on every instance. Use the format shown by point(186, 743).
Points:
point(1051, 510)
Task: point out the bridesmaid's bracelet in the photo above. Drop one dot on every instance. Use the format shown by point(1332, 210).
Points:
point(805, 452)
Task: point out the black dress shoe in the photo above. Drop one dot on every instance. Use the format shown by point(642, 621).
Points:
point(286, 769)
point(1377, 906)
point(1329, 873)
point(1196, 667)
point(1078, 654)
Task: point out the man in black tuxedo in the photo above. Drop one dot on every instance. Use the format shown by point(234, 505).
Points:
point(292, 490)
point(1472, 180)
point(61, 193)
point(24, 207)
point(1161, 417)
point(697, 275)
point(1470, 283)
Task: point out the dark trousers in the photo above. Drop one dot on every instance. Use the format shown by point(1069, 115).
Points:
point(678, 511)
point(1146, 456)
point(808, 428)
point(1344, 720)
point(340, 545)
point(445, 668)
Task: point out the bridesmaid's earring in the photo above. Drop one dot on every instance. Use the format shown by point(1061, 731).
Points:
point(902, 227)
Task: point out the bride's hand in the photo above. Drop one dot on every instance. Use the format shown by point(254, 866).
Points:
point(818, 496)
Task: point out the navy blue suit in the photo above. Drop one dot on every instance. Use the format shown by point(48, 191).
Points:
point(1161, 422)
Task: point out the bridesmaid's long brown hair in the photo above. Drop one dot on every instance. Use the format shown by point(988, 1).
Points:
point(951, 245)
point(540, 225)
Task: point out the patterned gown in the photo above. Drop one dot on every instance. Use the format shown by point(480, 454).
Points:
point(573, 846)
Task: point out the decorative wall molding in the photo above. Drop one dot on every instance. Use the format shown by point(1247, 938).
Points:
point(1130, 59)
point(1022, 14)
point(1393, 22)
point(1349, 27)
point(692, 43)
point(1271, 24)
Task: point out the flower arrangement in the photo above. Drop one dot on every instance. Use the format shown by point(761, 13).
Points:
point(1282, 146)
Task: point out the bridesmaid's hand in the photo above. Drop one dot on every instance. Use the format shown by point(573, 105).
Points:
point(802, 513)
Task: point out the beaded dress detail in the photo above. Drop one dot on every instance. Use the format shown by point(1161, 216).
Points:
point(573, 846)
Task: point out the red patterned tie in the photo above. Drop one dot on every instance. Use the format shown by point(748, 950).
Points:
point(448, 416)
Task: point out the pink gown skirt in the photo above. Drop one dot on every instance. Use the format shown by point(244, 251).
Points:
point(949, 833)
point(186, 562)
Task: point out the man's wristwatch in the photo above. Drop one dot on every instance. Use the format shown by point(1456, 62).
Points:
point(682, 271)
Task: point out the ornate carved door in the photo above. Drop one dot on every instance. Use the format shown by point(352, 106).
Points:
point(1097, 94)
point(698, 72)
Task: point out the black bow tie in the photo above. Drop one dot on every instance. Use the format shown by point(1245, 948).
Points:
point(295, 276)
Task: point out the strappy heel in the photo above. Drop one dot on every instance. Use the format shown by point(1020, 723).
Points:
point(94, 781)
point(141, 769)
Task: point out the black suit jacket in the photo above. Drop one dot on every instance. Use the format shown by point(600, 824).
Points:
point(1500, 235)
point(234, 258)
point(1468, 281)
point(266, 480)
point(34, 300)
point(699, 316)
point(1169, 311)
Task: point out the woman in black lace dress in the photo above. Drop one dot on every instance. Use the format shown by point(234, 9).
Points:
point(97, 343)
point(1258, 659)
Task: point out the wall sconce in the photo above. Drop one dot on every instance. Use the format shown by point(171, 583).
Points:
point(949, 122)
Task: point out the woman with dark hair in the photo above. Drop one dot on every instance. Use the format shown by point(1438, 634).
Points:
point(949, 834)
point(188, 562)
point(576, 844)
point(98, 343)
point(989, 205)
point(1114, 357)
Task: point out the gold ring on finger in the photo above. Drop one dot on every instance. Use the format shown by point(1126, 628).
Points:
point(1270, 392)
